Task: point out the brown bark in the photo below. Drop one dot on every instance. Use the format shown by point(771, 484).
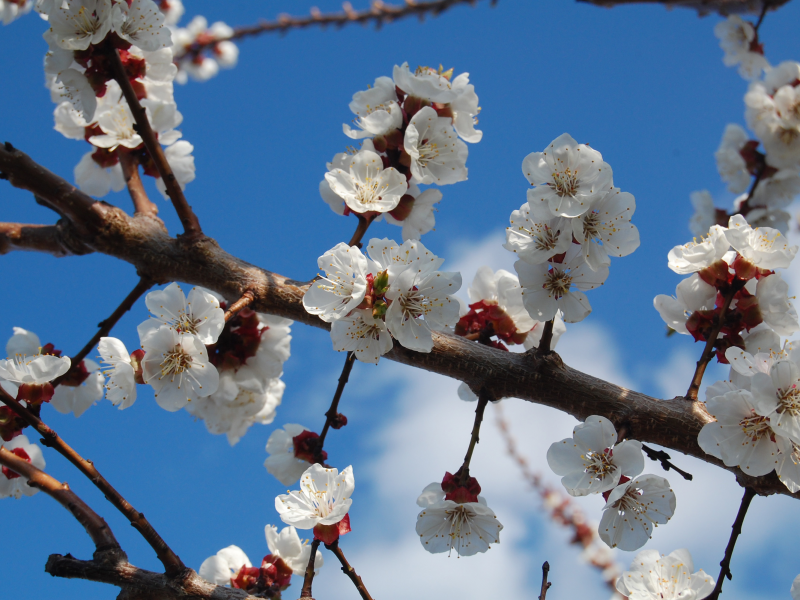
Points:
point(53, 239)
point(672, 423)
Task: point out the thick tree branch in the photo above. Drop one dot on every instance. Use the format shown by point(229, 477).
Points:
point(672, 423)
point(138, 584)
point(37, 238)
point(703, 7)
point(172, 564)
point(93, 523)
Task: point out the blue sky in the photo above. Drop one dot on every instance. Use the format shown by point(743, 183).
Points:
point(643, 85)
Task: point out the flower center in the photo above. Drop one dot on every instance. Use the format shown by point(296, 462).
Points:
point(86, 23)
point(789, 401)
point(756, 427)
point(322, 505)
point(428, 153)
point(413, 304)
point(558, 283)
point(565, 183)
point(600, 464)
point(591, 225)
point(175, 362)
point(186, 323)
point(369, 191)
point(788, 135)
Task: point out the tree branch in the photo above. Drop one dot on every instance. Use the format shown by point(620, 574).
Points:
point(139, 584)
point(334, 408)
point(725, 570)
point(37, 238)
point(172, 564)
point(246, 299)
point(191, 226)
point(545, 584)
point(378, 13)
point(349, 571)
point(145, 283)
point(672, 424)
point(309, 577)
point(130, 171)
point(93, 523)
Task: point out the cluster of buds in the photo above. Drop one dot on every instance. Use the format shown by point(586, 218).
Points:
point(733, 287)
point(201, 51)
point(410, 125)
point(266, 581)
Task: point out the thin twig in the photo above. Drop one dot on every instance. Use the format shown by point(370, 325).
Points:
point(191, 226)
point(246, 299)
point(545, 584)
point(708, 351)
point(725, 565)
point(334, 408)
point(663, 458)
point(309, 577)
point(93, 523)
point(762, 15)
point(378, 13)
point(547, 338)
point(172, 564)
point(349, 571)
point(130, 172)
point(361, 229)
point(483, 400)
point(145, 283)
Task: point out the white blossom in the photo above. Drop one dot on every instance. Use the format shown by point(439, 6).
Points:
point(550, 287)
point(421, 303)
point(465, 109)
point(568, 178)
point(437, 155)
point(633, 509)
point(775, 305)
point(536, 241)
point(735, 38)
point(705, 215)
point(695, 256)
point(224, 565)
point(141, 24)
point(421, 218)
point(78, 398)
point(363, 334)
point(388, 255)
point(424, 83)
point(591, 461)
point(730, 163)
point(177, 367)
point(341, 161)
point(445, 525)
point(501, 288)
point(281, 462)
point(534, 336)
point(764, 247)
point(776, 396)
point(121, 386)
point(343, 287)
point(16, 487)
point(606, 230)
point(180, 159)
point(654, 576)
point(76, 88)
point(11, 10)
point(366, 186)
point(323, 498)
point(77, 25)
point(691, 294)
point(95, 180)
point(23, 343)
point(199, 314)
point(287, 546)
point(36, 370)
point(740, 437)
point(376, 109)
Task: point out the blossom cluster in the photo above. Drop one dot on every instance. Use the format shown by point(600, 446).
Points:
point(455, 517)
point(733, 278)
point(592, 462)
point(79, 66)
point(564, 235)
point(395, 291)
point(655, 576)
point(412, 125)
point(191, 61)
point(768, 180)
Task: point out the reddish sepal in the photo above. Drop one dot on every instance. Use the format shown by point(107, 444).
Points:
point(19, 452)
point(34, 394)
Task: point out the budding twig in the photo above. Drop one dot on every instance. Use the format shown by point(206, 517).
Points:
point(191, 226)
point(483, 400)
point(361, 229)
point(378, 13)
point(145, 283)
point(309, 577)
point(172, 564)
point(93, 523)
point(708, 351)
point(246, 299)
point(725, 565)
point(663, 458)
point(130, 171)
point(334, 408)
point(545, 584)
point(349, 571)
